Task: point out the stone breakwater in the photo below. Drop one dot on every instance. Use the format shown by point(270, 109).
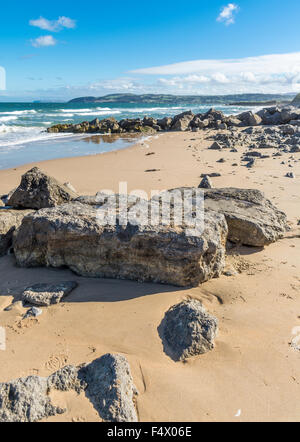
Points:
point(213, 119)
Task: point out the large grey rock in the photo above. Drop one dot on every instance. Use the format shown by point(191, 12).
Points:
point(188, 330)
point(10, 220)
point(71, 235)
point(46, 294)
point(250, 119)
point(182, 121)
point(252, 219)
point(26, 400)
point(38, 190)
point(110, 388)
point(107, 382)
point(165, 123)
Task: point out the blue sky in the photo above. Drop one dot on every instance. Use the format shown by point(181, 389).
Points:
point(63, 49)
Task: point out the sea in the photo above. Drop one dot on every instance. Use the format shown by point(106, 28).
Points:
point(24, 139)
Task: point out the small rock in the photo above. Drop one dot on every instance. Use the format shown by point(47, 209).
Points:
point(295, 149)
point(290, 175)
point(205, 183)
point(47, 294)
point(211, 175)
point(216, 146)
point(33, 311)
point(188, 330)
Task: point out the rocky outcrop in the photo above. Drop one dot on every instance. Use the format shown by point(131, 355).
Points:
point(110, 388)
point(107, 382)
point(46, 294)
point(213, 119)
point(252, 219)
point(10, 220)
point(71, 235)
point(188, 330)
point(38, 190)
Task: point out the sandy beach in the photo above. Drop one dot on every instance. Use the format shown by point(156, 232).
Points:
point(253, 372)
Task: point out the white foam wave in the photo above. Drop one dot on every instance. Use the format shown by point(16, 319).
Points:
point(23, 112)
point(79, 111)
point(16, 135)
point(8, 118)
point(96, 113)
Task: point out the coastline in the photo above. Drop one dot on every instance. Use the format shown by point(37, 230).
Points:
point(252, 369)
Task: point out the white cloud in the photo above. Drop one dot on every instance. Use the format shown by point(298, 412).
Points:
point(227, 14)
point(265, 64)
point(53, 25)
point(45, 40)
point(267, 73)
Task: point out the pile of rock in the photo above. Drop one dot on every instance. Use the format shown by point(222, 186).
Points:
point(213, 119)
point(284, 138)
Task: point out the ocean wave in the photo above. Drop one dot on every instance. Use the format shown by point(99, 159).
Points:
point(95, 113)
point(23, 112)
point(76, 111)
point(16, 135)
point(8, 118)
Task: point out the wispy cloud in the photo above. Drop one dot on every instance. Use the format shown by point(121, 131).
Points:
point(227, 14)
point(263, 64)
point(43, 41)
point(54, 25)
point(267, 73)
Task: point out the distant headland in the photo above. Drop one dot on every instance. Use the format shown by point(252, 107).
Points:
point(236, 99)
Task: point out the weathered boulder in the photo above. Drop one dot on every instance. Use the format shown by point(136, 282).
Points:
point(188, 330)
point(233, 121)
point(26, 400)
point(46, 294)
point(107, 382)
point(38, 190)
point(10, 220)
point(252, 219)
point(72, 235)
point(110, 388)
point(165, 123)
point(182, 121)
point(250, 119)
point(149, 121)
point(214, 115)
